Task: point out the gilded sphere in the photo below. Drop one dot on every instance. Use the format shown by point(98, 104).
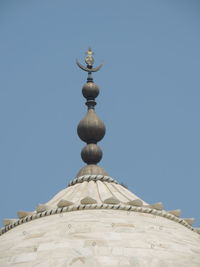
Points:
point(90, 90)
point(91, 154)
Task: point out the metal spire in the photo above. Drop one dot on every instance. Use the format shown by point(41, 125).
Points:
point(91, 129)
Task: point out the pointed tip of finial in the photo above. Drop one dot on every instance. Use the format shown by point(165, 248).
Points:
point(89, 51)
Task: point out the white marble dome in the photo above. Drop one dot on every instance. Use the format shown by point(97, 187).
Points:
point(97, 222)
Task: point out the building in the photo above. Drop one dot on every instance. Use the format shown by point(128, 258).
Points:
point(95, 221)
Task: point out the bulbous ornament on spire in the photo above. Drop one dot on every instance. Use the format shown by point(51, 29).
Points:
point(91, 129)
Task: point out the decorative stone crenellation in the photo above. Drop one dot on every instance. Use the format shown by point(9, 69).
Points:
point(71, 208)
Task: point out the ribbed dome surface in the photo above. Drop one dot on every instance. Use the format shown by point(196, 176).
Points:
point(97, 222)
point(99, 191)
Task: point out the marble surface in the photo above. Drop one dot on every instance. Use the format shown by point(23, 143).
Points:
point(100, 238)
point(98, 223)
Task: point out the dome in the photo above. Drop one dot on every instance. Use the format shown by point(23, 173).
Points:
point(95, 221)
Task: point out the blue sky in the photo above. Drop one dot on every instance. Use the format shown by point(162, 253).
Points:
point(149, 98)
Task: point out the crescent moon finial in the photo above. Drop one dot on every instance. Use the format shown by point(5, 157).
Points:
point(89, 60)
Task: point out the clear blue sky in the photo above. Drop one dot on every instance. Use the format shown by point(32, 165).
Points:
point(149, 99)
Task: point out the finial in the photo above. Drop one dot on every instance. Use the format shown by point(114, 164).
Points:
point(89, 60)
point(91, 129)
